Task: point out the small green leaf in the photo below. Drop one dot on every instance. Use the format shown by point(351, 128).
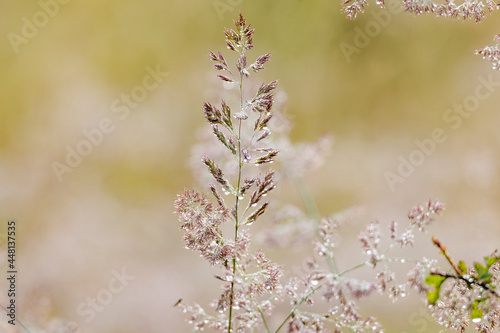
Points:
point(490, 261)
point(476, 311)
point(436, 281)
point(486, 278)
point(462, 267)
point(480, 269)
point(433, 296)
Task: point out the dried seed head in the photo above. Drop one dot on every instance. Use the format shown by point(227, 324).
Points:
point(269, 158)
point(220, 200)
point(213, 56)
point(241, 39)
point(216, 172)
point(228, 143)
point(253, 217)
point(264, 186)
point(226, 115)
point(247, 184)
point(225, 78)
point(259, 63)
point(264, 135)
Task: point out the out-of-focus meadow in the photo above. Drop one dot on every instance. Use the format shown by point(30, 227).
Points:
point(109, 214)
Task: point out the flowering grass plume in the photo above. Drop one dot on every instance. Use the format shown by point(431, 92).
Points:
point(249, 278)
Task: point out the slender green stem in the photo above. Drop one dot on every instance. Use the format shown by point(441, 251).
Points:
point(354, 268)
point(313, 211)
point(390, 259)
point(237, 201)
point(297, 306)
point(445, 254)
point(263, 318)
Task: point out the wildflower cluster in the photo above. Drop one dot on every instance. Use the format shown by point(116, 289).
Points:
point(248, 277)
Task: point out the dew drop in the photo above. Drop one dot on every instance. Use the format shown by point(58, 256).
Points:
point(403, 295)
point(403, 261)
point(241, 197)
point(254, 204)
point(264, 194)
point(314, 282)
point(476, 320)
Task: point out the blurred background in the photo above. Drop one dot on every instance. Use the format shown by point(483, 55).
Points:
point(99, 224)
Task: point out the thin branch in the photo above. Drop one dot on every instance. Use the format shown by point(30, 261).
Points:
point(297, 306)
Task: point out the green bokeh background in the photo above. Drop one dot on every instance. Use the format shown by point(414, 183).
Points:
point(114, 210)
